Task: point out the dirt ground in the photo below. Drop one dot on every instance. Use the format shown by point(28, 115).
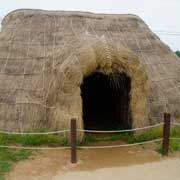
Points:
point(136, 163)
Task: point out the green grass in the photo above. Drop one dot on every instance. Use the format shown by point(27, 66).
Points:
point(131, 138)
point(8, 157)
point(57, 140)
point(127, 137)
point(175, 144)
point(33, 140)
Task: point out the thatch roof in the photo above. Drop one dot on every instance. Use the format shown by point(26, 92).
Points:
point(44, 56)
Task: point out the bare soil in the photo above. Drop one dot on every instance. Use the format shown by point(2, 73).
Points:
point(117, 163)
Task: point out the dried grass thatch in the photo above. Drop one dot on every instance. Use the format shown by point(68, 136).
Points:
point(44, 56)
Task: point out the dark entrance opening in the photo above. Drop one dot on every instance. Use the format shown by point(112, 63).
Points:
point(106, 100)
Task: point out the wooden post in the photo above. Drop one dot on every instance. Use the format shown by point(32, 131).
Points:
point(73, 141)
point(166, 133)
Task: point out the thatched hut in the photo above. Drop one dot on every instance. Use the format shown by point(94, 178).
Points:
point(108, 71)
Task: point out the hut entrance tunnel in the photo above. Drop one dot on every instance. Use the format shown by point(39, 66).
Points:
point(106, 100)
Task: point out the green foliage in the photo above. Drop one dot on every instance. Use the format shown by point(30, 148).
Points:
point(178, 53)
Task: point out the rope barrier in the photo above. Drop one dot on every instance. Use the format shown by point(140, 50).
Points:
point(80, 130)
point(176, 124)
point(34, 148)
point(175, 138)
point(85, 147)
point(121, 145)
point(36, 133)
point(81, 147)
point(118, 131)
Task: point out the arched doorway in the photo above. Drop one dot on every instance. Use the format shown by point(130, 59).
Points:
point(106, 100)
point(68, 91)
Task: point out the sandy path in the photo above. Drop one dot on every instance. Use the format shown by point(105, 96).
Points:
point(164, 170)
point(121, 163)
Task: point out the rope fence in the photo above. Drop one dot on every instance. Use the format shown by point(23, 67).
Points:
point(82, 130)
point(120, 145)
point(175, 124)
point(86, 130)
point(35, 133)
point(73, 138)
point(120, 131)
point(34, 148)
point(175, 138)
point(86, 147)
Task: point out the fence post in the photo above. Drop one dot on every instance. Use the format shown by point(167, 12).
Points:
point(73, 141)
point(166, 133)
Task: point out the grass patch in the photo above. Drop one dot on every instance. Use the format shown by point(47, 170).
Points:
point(131, 138)
point(175, 144)
point(128, 137)
point(33, 140)
point(8, 157)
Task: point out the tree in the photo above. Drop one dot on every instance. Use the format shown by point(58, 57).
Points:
point(178, 53)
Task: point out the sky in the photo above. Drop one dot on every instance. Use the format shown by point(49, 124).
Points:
point(160, 15)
